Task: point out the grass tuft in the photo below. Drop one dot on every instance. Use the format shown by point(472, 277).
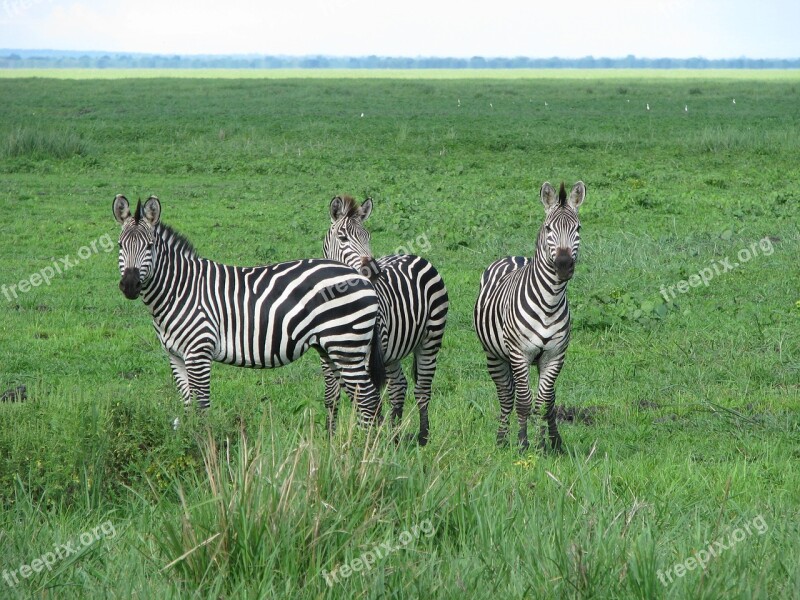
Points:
point(275, 515)
point(40, 144)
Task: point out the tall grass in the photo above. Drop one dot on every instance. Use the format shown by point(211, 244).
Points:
point(48, 143)
point(271, 516)
point(276, 512)
point(745, 139)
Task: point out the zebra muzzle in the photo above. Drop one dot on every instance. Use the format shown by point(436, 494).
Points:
point(130, 284)
point(565, 265)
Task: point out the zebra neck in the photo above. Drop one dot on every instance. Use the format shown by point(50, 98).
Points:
point(354, 262)
point(551, 291)
point(174, 271)
point(351, 259)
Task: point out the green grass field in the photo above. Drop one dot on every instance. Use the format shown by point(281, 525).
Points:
point(680, 393)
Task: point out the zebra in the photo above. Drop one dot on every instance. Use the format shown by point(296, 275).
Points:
point(413, 308)
point(262, 317)
point(522, 316)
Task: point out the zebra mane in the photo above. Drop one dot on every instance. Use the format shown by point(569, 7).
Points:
point(175, 240)
point(349, 206)
point(137, 216)
point(562, 195)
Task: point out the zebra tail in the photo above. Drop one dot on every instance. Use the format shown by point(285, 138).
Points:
point(377, 368)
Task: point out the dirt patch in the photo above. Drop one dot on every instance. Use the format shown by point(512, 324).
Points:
point(648, 404)
point(17, 394)
point(575, 414)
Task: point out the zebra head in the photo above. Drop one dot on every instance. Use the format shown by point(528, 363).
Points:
point(560, 236)
point(136, 242)
point(348, 240)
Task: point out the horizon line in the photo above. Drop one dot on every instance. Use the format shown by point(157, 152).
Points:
point(120, 53)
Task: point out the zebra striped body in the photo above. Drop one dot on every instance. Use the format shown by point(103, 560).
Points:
point(262, 317)
point(522, 316)
point(413, 308)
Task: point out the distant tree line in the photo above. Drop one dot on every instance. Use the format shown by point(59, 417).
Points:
point(10, 59)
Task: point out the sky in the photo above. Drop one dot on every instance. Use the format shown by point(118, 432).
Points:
point(412, 28)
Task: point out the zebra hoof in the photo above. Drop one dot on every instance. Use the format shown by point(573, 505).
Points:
point(422, 439)
point(552, 445)
point(502, 440)
point(524, 445)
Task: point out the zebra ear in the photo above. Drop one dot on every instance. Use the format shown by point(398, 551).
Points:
point(151, 211)
point(337, 209)
point(577, 195)
point(366, 210)
point(548, 195)
point(121, 208)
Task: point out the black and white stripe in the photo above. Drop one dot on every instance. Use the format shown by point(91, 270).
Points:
point(261, 317)
point(522, 316)
point(413, 307)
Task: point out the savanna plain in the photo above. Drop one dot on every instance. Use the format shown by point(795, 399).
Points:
point(678, 403)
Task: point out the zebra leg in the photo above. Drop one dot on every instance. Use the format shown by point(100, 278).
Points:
point(521, 372)
point(332, 393)
point(181, 377)
point(397, 385)
point(198, 368)
point(500, 371)
point(424, 370)
point(549, 368)
point(359, 388)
